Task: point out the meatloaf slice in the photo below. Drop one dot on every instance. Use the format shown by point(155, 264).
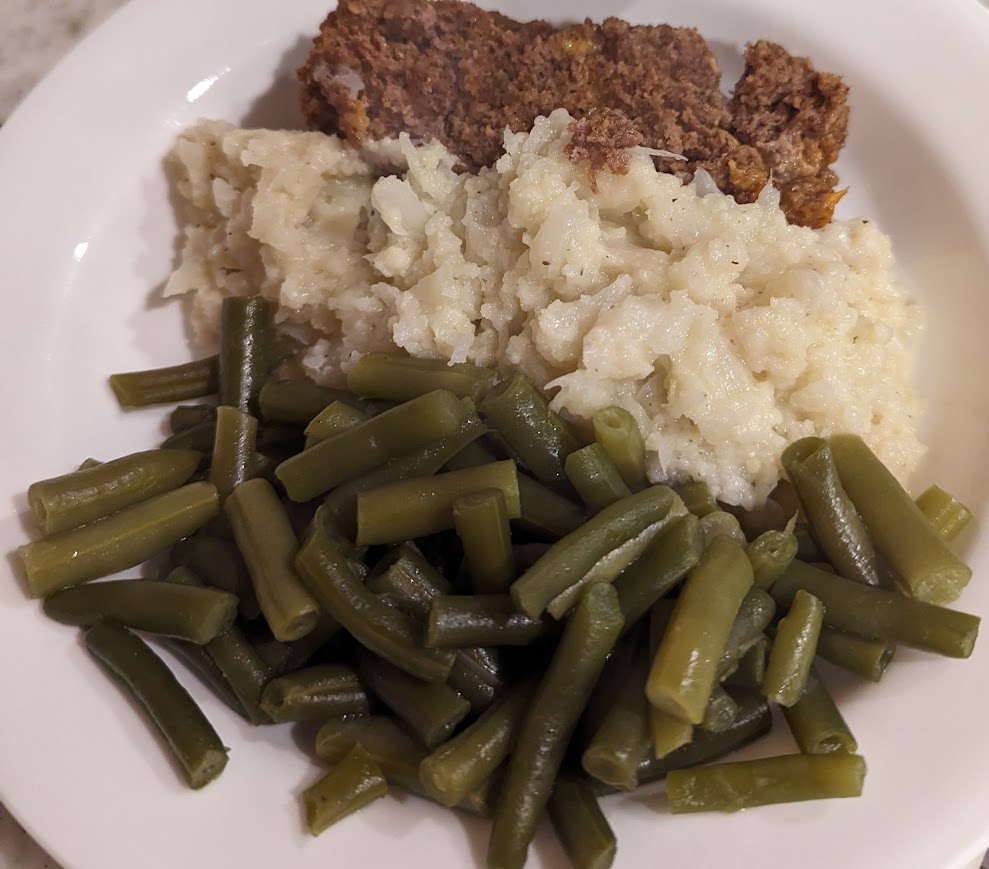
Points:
point(448, 70)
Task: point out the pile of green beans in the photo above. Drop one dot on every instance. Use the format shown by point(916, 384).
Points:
point(477, 605)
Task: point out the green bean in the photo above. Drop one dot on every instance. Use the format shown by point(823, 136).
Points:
point(199, 660)
point(616, 430)
point(356, 451)
point(185, 416)
point(423, 506)
point(754, 615)
point(481, 522)
point(878, 614)
point(667, 733)
point(199, 437)
point(900, 531)
point(587, 640)
point(190, 736)
point(837, 526)
point(793, 649)
point(663, 563)
point(545, 512)
point(807, 546)
point(342, 501)
point(460, 620)
point(336, 417)
point(728, 787)
point(771, 553)
point(944, 511)
point(353, 783)
point(314, 694)
point(622, 740)
point(236, 659)
point(116, 542)
point(721, 711)
point(189, 613)
point(698, 498)
point(594, 475)
point(233, 450)
point(164, 385)
point(383, 629)
point(246, 350)
point(537, 436)
point(580, 824)
point(86, 464)
point(431, 710)
point(300, 401)
point(218, 563)
point(720, 523)
point(301, 650)
point(684, 670)
point(268, 544)
point(395, 377)
point(476, 675)
point(865, 658)
point(604, 538)
point(410, 580)
point(816, 723)
point(65, 502)
point(751, 667)
point(754, 719)
point(462, 764)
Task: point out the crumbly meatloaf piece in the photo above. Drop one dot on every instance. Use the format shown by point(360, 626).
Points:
point(448, 70)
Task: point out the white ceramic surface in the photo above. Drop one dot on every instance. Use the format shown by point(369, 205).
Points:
point(87, 235)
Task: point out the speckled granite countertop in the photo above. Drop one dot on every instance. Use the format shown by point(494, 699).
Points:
point(34, 35)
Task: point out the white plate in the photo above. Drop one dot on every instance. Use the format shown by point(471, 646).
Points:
point(87, 234)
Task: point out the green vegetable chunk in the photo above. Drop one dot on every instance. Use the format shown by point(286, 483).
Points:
point(352, 784)
point(396, 377)
point(793, 650)
point(164, 385)
point(579, 822)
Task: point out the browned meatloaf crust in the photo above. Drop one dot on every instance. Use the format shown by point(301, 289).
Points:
point(448, 70)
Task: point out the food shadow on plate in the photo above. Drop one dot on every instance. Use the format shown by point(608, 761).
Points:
point(279, 107)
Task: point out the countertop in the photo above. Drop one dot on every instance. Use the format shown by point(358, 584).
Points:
point(34, 35)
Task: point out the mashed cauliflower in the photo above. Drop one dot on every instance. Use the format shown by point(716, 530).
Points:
point(724, 330)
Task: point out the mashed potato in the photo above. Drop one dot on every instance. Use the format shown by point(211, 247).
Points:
point(724, 330)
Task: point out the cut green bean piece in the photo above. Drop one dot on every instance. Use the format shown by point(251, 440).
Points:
point(754, 615)
point(771, 553)
point(816, 723)
point(409, 580)
point(119, 541)
point(667, 559)
point(793, 649)
point(545, 512)
point(234, 448)
point(865, 658)
point(459, 620)
point(594, 475)
point(423, 506)
point(901, 533)
point(588, 638)
point(463, 763)
point(247, 351)
point(698, 498)
point(186, 612)
point(431, 710)
point(381, 628)
point(728, 787)
point(537, 436)
point(751, 667)
point(944, 511)
point(481, 521)
point(299, 401)
point(878, 614)
point(720, 523)
point(721, 711)
point(477, 676)
point(191, 737)
point(354, 452)
point(336, 417)
point(837, 525)
point(300, 651)
point(186, 416)
point(218, 563)
point(622, 740)
point(604, 538)
point(353, 783)
point(165, 385)
point(315, 694)
point(199, 661)
point(685, 668)
point(268, 544)
point(198, 437)
point(667, 733)
point(616, 430)
point(580, 824)
point(66, 502)
point(395, 377)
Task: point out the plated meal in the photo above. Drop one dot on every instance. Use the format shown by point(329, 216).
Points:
point(547, 428)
